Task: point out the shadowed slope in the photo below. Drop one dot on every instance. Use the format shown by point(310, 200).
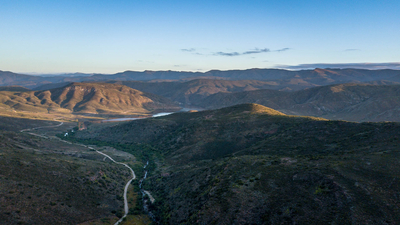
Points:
point(195, 90)
point(248, 164)
point(353, 102)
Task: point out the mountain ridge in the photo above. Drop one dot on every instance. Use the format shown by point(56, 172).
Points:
point(352, 102)
point(93, 98)
point(292, 79)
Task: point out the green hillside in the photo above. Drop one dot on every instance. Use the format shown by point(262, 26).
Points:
point(249, 164)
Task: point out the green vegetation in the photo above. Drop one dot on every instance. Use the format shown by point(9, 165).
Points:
point(251, 164)
point(45, 182)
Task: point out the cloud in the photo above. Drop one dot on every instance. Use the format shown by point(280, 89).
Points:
point(249, 52)
point(282, 49)
point(188, 49)
point(352, 50)
point(370, 66)
point(255, 51)
point(227, 53)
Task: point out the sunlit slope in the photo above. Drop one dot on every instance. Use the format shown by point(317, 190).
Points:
point(353, 102)
point(91, 98)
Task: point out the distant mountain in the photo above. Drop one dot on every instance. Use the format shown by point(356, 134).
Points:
point(249, 164)
point(195, 90)
point(285, 79)
point(98, 98)
point(352, 102)
point(68, 75)
point(9, 79)
point(51, 86)
point(15, 88)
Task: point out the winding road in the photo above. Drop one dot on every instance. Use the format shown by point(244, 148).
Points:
point(126, 206)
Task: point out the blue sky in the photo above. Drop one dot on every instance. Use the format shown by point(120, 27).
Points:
point(112, 36)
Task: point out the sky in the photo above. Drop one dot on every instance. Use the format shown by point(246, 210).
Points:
point(98, 36)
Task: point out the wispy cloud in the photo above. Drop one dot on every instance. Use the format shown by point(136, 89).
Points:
point(352, 50)
point(370, 66)
point(227, 53)
point(188, 49)
point(282, 49)
point(254, 51)
point(235, 53)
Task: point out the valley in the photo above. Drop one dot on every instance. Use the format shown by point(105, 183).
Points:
point(252, 163)
point(202, 151)
point(199, 112)
point(73, 183)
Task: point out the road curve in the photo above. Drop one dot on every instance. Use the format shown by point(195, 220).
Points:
point(35, 128)
point(126, 206)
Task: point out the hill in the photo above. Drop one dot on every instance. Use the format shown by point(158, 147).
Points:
point(96, 98)
point(45, 181)
point(285, 79)
point(14, 88)
point(195, 90)
point(249, 164)
point(352, 102)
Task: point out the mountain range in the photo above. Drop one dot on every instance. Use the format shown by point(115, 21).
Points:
point(285, 79)
point(351, 102)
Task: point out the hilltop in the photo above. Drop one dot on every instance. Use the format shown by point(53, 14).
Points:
point(92, 98)
point(251, 164)
point(351, 102)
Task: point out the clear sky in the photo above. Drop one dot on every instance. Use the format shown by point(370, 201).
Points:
point(99, 36)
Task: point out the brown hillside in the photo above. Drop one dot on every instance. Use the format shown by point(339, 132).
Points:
point(352, 102)
point(195, 90)
point(87, 98)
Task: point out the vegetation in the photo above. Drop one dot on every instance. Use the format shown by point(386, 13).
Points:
point(45, 181)
point(250, 164)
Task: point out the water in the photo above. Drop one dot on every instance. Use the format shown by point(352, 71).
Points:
point(162, 114)
point(155, 115)
point(120, 119)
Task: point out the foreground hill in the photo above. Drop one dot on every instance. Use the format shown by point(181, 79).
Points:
point(97, 98)
point(45, 181)
point(352, 102)
point(249, 164)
